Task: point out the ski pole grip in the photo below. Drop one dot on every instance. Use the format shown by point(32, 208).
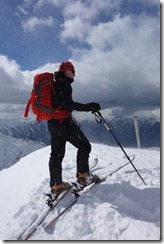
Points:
point(105, 123)
point(100, 117)
point(97, 117)
point(98, 113)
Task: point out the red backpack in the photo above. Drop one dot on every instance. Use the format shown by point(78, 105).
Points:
point(40, 100)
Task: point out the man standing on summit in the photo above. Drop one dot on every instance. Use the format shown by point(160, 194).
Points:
point(64, 129)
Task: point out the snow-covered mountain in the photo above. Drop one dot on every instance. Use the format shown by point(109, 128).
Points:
point(13, 149)
point(27, 129)
point(18, 137)
point(16, 141)
point(124, 129)
point(121, 208)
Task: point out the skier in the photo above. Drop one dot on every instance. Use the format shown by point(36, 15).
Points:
point(66, 129)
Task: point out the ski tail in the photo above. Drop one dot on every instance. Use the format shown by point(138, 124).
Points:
point(132, 157)
point(95, 162)
point(59, 215)
point(24, 236)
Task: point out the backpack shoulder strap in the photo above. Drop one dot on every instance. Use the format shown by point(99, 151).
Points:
point(27, 108)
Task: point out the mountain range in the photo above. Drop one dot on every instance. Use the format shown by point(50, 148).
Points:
point(19, 137)
point(124, 130)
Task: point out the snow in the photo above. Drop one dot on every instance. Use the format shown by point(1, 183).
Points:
point(121, 208)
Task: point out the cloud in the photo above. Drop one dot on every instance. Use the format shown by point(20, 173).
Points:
point(11, 110)
point(122, 68)
point(16, 86)
point(116, 97)
point(25, 7)
point(117, 58)
point(88, 10)
point(81, 16)
point(34, 22)
point(75, 29)
point(12, 83)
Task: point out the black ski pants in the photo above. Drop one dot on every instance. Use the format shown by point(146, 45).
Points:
point(62, 132)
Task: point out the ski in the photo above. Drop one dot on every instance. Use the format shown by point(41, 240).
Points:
point(132, 159)
point(77, 193)
point(54, 204)
point(46, 225)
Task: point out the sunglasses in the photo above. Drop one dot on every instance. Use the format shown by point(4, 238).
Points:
point(72, 71)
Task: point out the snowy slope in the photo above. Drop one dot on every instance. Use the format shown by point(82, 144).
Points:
point(121, 208)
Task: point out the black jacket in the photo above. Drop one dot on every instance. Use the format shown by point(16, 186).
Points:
point(63, 95)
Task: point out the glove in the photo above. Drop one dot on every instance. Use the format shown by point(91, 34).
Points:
point(94, 107)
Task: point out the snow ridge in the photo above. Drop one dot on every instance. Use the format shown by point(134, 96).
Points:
point(121, 208)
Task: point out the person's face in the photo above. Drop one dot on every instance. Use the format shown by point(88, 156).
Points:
point(69, 74)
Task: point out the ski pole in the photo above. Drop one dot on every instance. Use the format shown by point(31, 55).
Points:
point(99, 119)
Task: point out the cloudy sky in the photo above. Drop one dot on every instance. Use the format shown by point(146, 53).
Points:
point(114, 45)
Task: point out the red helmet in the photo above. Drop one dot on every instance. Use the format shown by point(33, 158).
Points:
point(66, 65)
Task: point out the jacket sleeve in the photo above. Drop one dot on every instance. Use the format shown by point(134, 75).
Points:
point(63, 100)
point(71, 105)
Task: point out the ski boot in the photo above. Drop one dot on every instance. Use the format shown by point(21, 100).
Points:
point(85, 179)
point(56, 190)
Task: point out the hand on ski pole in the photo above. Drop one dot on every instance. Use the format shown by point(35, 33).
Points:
point(93, 107)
